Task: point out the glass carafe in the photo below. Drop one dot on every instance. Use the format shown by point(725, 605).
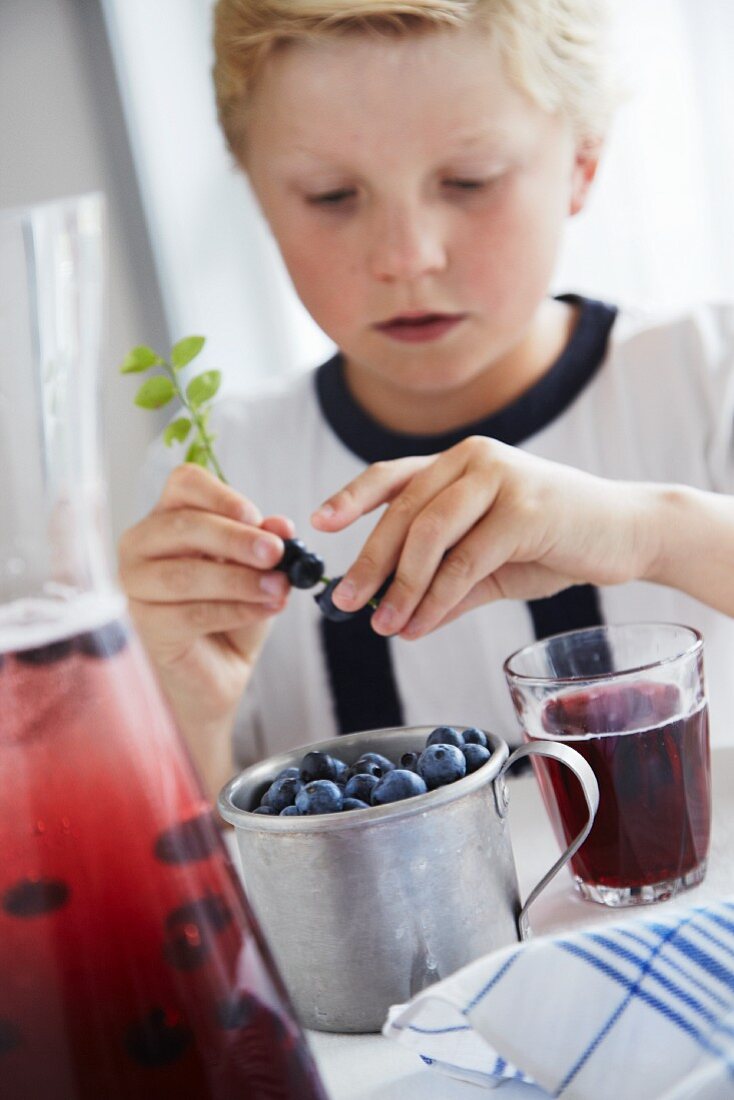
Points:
point(130, 962)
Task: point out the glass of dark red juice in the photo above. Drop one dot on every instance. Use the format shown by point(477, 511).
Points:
point(631, 699)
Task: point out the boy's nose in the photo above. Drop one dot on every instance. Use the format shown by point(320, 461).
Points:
point(405, 245)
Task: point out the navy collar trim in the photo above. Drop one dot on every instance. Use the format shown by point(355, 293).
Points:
point(532, 411)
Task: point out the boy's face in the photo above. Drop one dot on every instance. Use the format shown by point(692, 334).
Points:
point(417, 198)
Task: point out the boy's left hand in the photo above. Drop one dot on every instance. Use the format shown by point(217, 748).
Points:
point(480, 522)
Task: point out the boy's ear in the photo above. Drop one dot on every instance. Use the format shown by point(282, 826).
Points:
point(585, 165)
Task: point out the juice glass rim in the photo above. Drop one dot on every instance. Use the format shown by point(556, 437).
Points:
point(596, 677)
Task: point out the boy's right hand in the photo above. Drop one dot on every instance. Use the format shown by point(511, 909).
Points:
point(198, 573)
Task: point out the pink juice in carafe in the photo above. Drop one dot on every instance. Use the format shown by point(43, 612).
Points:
point(652, 766)
point(132, 966)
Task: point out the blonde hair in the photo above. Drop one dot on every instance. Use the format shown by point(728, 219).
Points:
point(555, 51)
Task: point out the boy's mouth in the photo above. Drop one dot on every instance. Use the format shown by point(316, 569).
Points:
point(418, 327)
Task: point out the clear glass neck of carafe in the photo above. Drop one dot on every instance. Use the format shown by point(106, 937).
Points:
point(55, 552)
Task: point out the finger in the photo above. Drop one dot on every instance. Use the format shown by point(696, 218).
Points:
point(514, 580)
point(377, 485)
point(434, 545)
point(170, 623)
point(480, 554)
point(487, 590)
point(415, 530)
point(188, 532)
point(180, 580)
point(279, 525)
point(194, 487)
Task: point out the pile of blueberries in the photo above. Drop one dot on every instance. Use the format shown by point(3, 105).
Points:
point(324, 784)
point(305, 569)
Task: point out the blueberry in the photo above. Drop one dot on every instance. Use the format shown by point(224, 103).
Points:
point(319, 765)
point(355, 804)
point(475, 756)
point(360, 786)
point(288, 773)
point(268, 811)
point(293, 550)
point(189, 841)
point(290, 811)
point(302, 568)
point(237, 1011)
point(372, 763)
point(34, 897)
point(282, 793)
point(367, 767)
point(327, 607)
point(188, 941)
point(440, 764)
point(397, 785)
point(409, 760)
point(474, 736)
point(342, 771)
point(211, 910)
point(161, 1037)
point(319, 797)
point(445, 735)
point(306, 571)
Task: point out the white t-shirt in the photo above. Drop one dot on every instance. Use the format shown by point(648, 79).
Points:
point(632, 397)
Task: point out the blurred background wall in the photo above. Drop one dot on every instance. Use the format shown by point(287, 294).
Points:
point(62, 132)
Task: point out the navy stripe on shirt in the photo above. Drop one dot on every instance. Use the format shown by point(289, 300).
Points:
point(528, 414)
point(359, 662)
point(361, 677)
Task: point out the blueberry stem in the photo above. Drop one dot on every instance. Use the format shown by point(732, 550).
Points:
point(205, 438)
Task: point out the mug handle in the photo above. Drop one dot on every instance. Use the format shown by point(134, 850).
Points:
point(556, 750)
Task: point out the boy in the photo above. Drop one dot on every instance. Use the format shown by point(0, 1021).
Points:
point(416, 162)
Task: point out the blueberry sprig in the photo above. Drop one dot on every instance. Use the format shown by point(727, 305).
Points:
point(303, 568)
point(162, 387)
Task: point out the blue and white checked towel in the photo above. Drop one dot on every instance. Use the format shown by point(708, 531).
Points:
point(640, 1010)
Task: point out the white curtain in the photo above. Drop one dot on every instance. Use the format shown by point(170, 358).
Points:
point(219, 270)
point(659, 229)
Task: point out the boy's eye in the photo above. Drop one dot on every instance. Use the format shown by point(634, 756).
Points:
point(466, 184)
point(332, 198)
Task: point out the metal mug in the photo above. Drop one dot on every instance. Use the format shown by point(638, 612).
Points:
point(364, 909)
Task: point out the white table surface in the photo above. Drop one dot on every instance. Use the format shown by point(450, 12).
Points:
point(370, 1067)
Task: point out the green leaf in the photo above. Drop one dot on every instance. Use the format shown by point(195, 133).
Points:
point(140, 359)
point(198, 454)
point(177, 431)
point(186, 350)
point(203, 387)
point(155, 393)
